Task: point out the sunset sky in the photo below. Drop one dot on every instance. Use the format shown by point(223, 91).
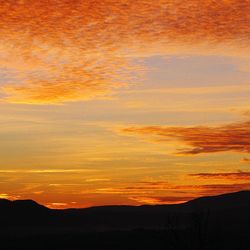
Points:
point(123, 101)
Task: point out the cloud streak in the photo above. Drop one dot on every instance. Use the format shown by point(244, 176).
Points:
point(201, 139)
point(166, 193)
point(240, 175)
point(45, 171)
point(161, 200)
point(58, 51)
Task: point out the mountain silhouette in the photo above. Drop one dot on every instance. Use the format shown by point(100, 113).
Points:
point(28, 212)
point(21, 205)
point(216, 222)
point(223, 201)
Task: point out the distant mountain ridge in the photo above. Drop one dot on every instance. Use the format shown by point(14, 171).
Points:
point(223, 199)
point(20, 204)
point(228, 200)
point(29, 213)
point(206, 223)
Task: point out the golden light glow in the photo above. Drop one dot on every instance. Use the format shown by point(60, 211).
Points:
point(123, 102)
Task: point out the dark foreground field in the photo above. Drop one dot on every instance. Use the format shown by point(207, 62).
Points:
point(220, 222)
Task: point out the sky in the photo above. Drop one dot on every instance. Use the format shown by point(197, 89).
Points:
point(123, 102)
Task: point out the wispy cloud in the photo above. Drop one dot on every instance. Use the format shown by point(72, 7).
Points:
point(189, 192)
point(160, 200)
point(152, 188)
point(57, 205)
point(172, 194)
point(240, 175)
point(9, 196)
point(247, 160)
point(201, 139)
point(45, 171)
point(98, 180)
point(62, 51)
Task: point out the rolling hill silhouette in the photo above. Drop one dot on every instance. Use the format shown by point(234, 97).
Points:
point(212, 222)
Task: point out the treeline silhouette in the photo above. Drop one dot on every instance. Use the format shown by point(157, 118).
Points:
point(207, 223)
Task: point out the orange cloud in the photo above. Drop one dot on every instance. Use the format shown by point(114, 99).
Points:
point(202, 139)
point(160, 200)
point(240, 175)
point(183, 193)
point(58, 205)
point(65, 50)
point(151, 189)
point(247, 160)
point(215, 189)
point(9, 197)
